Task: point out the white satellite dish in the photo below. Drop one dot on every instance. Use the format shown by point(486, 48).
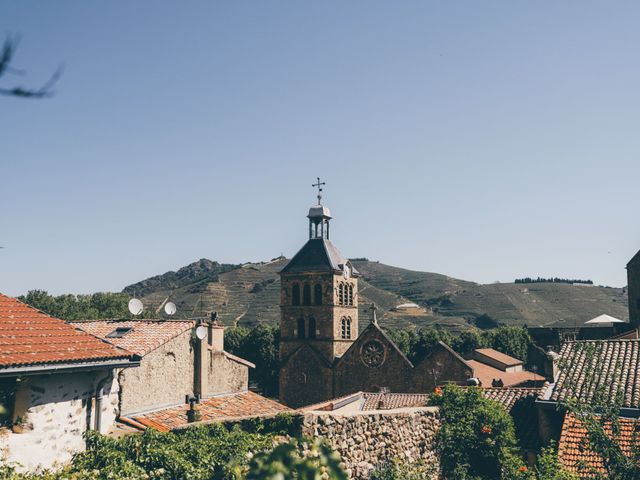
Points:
point(135, 306)
point(170, 308)
point(201, 332)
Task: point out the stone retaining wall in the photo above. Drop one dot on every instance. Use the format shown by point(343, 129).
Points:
point(370, 438)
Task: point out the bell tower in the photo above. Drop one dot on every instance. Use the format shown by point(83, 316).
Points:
point(319, 296)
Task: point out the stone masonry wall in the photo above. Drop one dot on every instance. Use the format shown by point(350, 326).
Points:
point(163, 378)
point(366, 439)
point(57, 410)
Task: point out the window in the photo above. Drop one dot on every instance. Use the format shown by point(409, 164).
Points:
point(295, 294)
point(312, 327)
point(119, 332)
point(306, 294)
point(300, 328)
point(317, 294)
point(341, 294)
point(345, 332)
point(350, 294)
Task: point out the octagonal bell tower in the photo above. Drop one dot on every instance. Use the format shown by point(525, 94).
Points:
point(319, 296)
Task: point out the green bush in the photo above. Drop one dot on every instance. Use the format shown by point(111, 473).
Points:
point(396, 470)
point(477, 439)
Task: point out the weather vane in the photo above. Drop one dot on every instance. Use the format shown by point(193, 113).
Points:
point(319, 185)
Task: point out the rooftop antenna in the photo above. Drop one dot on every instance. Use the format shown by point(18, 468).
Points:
point(170, 308)
point(319, 184)
point(135, 306)
point(162, 304)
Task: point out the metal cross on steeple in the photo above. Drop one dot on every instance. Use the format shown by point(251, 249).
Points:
point(319, 184)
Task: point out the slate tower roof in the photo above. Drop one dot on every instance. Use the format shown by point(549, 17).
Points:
point(318, 255)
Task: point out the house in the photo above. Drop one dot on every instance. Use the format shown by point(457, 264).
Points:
point(56, 382)
point(590, 372)
point(496, 369)
point(178, 359)
point(576, 455)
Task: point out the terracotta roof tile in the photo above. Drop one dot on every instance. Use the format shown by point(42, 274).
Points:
point(144, 336)
point(574, 452)
point(226, 407)
point(508, 396)
point(387, 401)
point(486, 374)
point(607, 364)
point(29, 337)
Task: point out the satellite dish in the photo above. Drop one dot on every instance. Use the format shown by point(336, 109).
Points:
point(135, 306)
point(201, 332)
point(170, 308)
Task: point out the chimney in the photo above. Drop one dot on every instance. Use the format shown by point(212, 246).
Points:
point(201, 366)
point(216, 334)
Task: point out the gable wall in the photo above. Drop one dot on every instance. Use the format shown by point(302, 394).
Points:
point(305, 380)
point(440, 366)
point(226, 376)
point(163, 378)
point(352, 374)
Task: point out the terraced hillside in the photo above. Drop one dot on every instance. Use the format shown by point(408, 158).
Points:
point(250, 293)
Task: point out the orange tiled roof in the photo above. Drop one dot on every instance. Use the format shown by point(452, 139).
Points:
point(29, 337)
point(608, 364)
point(372, 401)
point(500, 357)
point(508, 396)
point(574, 452)
point(145, 336)
point(487, 373)
point(227, 407)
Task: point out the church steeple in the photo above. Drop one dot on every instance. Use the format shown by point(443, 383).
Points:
point(319, 310)
point(319, 216)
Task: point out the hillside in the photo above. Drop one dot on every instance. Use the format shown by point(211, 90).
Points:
point(250, 293)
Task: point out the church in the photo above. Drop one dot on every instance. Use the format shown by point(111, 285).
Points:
point(322, 354)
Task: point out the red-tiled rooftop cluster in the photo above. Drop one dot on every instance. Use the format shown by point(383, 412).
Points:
point(143, 337)
point(574, 452)
point(29, 337)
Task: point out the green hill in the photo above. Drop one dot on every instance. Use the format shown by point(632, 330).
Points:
point(248, 294)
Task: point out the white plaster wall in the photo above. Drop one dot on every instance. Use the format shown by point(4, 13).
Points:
point(59, 408)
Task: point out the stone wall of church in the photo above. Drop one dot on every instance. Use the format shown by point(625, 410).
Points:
point(305, 379)
point(352, 374)
point(439, 367)
point(368, 439)
point(633, 291)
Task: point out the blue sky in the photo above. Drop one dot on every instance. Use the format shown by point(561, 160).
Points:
point(483, 140)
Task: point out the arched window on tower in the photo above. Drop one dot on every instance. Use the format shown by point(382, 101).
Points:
point(341, 294)
point(317, 294)
point(350, 294)
point(300, 328)
point(306, 294)
point(312, 327)
point(295, 294)
point(345, 330)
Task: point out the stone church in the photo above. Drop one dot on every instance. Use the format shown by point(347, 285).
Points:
point(321, 354)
